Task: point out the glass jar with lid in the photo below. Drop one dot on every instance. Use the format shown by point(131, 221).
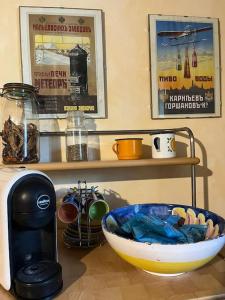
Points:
point(76, 136)
point(19, 123)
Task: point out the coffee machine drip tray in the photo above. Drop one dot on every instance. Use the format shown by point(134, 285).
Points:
point(40, 280)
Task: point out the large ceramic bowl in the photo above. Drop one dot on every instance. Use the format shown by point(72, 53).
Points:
point(162, 259)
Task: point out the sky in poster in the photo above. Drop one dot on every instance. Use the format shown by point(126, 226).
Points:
point(168, 48)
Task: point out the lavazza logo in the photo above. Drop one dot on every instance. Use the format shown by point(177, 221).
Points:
point(43, 201)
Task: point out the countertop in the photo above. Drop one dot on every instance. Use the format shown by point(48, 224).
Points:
point(99, 274)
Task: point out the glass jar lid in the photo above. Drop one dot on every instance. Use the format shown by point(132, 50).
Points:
point(18, 90)
point(22, 86)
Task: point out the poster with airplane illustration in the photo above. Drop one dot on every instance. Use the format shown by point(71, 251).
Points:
point(62, 56)
point(185, 67)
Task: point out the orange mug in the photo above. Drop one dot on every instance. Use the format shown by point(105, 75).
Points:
point(129, 148)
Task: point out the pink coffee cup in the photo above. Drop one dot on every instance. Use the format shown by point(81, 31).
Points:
point(69, 210)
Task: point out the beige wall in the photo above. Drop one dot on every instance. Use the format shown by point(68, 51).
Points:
point(126, 24)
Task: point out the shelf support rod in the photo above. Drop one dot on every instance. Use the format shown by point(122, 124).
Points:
point(147, 131)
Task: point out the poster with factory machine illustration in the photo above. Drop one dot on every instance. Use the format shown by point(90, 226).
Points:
point(62, 56)
point(185, 67)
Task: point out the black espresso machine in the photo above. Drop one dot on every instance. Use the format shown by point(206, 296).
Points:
point(28, 246)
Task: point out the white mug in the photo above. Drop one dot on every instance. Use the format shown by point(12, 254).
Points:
point(163, 145)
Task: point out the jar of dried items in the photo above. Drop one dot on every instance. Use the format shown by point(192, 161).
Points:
point(19, 123)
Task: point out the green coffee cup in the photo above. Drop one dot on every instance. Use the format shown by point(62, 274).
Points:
point(97, 209)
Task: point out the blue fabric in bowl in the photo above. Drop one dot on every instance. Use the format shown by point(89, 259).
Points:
point(152, 222)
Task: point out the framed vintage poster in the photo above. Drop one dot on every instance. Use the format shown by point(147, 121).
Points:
point(62, 55)
point(185, 67)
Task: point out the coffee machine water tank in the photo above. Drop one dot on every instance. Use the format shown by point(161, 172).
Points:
point(28, 248)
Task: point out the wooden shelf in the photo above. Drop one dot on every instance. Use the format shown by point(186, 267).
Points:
point(103, 164)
